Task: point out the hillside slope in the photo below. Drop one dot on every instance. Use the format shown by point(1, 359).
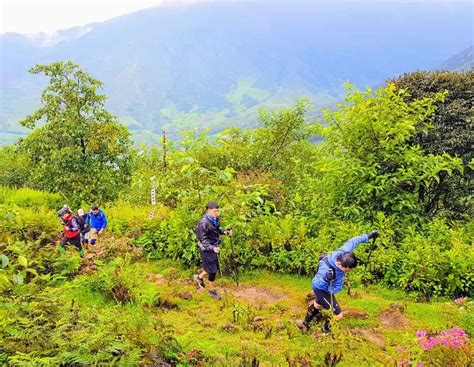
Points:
point(214, 65)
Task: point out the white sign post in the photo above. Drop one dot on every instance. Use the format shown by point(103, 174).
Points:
point(153, 197)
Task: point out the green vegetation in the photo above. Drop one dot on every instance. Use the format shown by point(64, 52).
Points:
point(453, 133)
point(116, 308)
point(131, 300)
point(79, 138)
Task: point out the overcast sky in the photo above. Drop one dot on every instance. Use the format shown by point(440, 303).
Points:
point(30, 16)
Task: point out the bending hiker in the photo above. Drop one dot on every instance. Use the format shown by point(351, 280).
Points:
point(83, 221)
point(329, 280)
point(97, 224)
point(208, 233)
point(71, 232)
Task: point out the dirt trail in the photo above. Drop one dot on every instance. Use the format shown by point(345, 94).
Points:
point(371, 336)
point(394, 317)
point(157, 278)
point(257, 295)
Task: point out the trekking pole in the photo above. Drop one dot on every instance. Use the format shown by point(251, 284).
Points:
point(332, 295)
point(219, 264)
point(372, 247)
point(331, 315)
point(233, 265)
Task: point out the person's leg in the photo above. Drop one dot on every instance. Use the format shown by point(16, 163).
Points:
point(84, 236)
point(212, 278)
point(93, 236)
point(212, 291)
point(76, 241)
point(62, 248)
point(200, 279)
point(336, 309)
point(314, 312)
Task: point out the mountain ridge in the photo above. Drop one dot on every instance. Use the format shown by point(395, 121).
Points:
point(215, 65)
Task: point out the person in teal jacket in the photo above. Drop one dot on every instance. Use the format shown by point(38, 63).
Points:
point(329, 279)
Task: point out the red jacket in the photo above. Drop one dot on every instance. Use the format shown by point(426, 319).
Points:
point(71, 222)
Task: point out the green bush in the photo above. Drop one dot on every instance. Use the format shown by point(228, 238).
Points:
point(438, 262)
point(29, 198)
point(30, 223)
point(122, 282)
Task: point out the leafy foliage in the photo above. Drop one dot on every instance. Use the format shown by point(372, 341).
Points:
point(14, 167)
point(50, 316)
point(451, 132)
point(78, 138)
point(288, 199)
point(365, 174)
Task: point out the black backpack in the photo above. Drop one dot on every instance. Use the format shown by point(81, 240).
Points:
point(331, 273)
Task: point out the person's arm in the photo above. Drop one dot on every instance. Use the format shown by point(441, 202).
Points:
point(105, 221)
point(74, 225)
point(352, 244)
point(201, 234)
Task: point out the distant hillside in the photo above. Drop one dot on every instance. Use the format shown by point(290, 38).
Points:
point(460, 62)
point(215, 65)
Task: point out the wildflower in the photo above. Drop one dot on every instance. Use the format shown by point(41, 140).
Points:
point(421, 333)
point(460, 300)
point(454, 338)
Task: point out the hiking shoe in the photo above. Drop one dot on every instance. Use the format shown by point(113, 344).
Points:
point(302, 326)
point(326, 329)
point(214, 294)
point(199, 281)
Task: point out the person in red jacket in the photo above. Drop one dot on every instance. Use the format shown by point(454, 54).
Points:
point(71, 232)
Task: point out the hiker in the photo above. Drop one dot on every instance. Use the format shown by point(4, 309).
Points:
point(329, 280)
point(83, 221)
point(97, 224)
point(208, 233)
point(71, 232)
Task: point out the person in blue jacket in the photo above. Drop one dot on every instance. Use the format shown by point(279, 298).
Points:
point(97, 224)
point(329, 279)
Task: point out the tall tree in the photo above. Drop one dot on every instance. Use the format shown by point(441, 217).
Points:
point(79, 149)
point(452, 132)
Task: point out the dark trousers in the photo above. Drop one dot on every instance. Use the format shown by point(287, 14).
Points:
point(75, 241)
point(326, 300)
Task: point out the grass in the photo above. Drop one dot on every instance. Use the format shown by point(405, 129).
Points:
point(253, 324)
point(235, 328)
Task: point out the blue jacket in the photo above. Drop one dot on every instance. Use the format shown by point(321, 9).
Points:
point(98, 221)
point(319, 282)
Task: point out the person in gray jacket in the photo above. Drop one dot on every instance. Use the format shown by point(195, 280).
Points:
point(208, 232)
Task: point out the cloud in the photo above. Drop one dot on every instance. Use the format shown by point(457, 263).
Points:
point(28, 16)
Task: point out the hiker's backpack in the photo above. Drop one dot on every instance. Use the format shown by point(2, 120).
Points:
point(331, 273)
point(82, 222)
point(69, 233)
